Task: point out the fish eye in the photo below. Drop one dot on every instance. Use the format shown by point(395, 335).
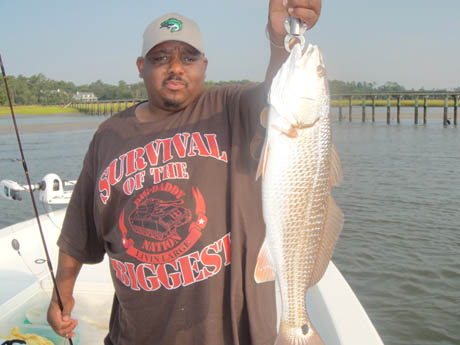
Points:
point(321, 71)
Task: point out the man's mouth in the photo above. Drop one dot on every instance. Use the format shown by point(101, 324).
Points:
point(174, 84)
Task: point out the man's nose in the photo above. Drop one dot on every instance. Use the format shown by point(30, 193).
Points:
point(175, 66)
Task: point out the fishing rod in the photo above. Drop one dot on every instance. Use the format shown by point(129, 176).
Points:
point(29, 184)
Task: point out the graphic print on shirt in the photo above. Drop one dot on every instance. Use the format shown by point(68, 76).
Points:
point(161, 223)
point(157, 159)
point(160, 228)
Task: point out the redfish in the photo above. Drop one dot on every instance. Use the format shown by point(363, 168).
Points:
point(299, 166)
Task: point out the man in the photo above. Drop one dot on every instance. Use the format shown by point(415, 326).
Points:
point(167, 191)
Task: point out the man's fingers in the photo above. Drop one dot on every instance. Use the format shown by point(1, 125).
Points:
point(314, 5)
point(61, 322)
point(307, 16)
point(67, 331)
point(307, 11)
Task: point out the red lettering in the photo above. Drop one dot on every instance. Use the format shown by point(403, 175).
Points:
point(139, 180)
point(153, 151)
point(180, 145)
point(141, 164)
point(156, 173)
point(120, 271)
point(197, 146)
point(132, 276)
point(113, 178)
point(149, 283)
point(104, 188)
point(135, 161)
point(183, 271)
point(180, 170)
point(214, 147)
point(167, 156)
point(187, 268)
point(168, 171)
point(226, 243)
point(128, 186)
point(210, 259)
point(169, 280)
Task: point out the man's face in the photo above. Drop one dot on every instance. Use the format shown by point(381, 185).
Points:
point(173, 74)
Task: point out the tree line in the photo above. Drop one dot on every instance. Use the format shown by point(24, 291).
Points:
point(38, 89)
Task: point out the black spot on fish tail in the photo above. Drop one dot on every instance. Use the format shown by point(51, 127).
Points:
point(305, 329)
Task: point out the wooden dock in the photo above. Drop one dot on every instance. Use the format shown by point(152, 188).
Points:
point(393, 102)
point(104, 107)
point(421, 102)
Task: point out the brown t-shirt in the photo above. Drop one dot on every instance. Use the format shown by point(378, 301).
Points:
point(175, 205)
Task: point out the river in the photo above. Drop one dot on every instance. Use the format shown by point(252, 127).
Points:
point(400, 246)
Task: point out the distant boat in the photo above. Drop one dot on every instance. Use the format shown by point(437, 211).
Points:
point(26, 285)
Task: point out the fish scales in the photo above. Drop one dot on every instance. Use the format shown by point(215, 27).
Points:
point(299, 167)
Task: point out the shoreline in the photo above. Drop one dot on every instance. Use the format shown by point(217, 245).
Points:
point(33, 110)
point(53, 127)
point(43, 123)
point(29, 123)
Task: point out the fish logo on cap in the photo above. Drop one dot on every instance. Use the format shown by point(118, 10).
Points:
point(173, 24)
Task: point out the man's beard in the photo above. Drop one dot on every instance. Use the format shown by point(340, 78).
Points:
point(172, 104)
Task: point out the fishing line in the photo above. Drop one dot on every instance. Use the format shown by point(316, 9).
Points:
point(26, 172)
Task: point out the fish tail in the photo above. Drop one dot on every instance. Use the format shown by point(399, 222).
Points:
point(304, 335)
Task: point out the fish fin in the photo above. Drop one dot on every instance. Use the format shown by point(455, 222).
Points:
point(336, 175)
point(264, 117)
point(303, 335)
point(333, 226)
point(290, 132)
point(263, 161)
point(264, 271)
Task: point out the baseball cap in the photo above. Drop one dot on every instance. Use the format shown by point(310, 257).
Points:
point(172, 27)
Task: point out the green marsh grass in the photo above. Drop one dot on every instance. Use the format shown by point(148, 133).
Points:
point(37, 110)
point(393, 102)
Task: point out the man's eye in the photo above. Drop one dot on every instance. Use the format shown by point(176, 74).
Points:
point(160, 59)
point(189, 59)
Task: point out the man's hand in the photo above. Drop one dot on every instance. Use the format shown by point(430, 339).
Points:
point(307, 11)
point(61, 322)
point(67, 272)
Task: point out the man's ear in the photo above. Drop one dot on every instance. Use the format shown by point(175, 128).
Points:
point(140, 66)
point(205, 63)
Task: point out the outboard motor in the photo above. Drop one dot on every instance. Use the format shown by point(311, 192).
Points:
point(51, 189)
point(10, 190)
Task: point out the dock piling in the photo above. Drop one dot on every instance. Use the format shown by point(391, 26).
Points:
point(445, 120)
point(373, 108)
point(425, 108)
point(350, 107)
point(455, 109)
point(388, 109)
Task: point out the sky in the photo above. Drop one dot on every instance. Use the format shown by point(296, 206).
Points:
point(413, 43)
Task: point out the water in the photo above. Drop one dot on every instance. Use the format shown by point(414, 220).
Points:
point(400, 245)
point(51, 144)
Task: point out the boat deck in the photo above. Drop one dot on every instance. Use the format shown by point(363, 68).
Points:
point(26, 289)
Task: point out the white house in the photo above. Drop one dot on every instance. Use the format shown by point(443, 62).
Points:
point(84, 97)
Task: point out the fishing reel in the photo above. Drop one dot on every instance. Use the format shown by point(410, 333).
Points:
point(51, 190)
